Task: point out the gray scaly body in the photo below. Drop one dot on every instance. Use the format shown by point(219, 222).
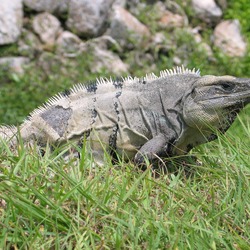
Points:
point(148, 117)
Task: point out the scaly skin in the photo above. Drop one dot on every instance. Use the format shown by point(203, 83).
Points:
point(136, 118)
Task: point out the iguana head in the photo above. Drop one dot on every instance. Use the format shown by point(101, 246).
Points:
point(215, 101)
point(212, 103)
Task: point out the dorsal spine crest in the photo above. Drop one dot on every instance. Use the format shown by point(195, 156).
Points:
point(80, 87)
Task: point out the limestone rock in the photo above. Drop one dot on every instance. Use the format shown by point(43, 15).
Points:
point(158, 38)
point(47, 27)
point(108, 60)
point(68, 44)
point(29, 44)
point(47, 5)
point(202, 46)
point(106, 42)
point(49, 63)
point(62, 7)
point(103, 58)
point(14, 64)
point(160, 45)
point(88, 18)
point(135, 6)
point(228, 38)
point(126, 29)
point(222, 3)
point(121, 3)
point(11, 15)
point(207, 10)
point(171, 20)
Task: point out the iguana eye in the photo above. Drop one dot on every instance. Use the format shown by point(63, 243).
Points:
point(227, 86)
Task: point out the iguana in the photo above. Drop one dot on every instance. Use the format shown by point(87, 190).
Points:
point(138, 118)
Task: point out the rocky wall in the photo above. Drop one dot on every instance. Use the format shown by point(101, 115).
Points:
point(68, 28)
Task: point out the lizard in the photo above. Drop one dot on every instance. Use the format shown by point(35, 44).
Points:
point(138, 118)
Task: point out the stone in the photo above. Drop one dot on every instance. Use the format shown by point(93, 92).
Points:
point(29, 44)
point(11, 15)
point(47, 27)
point(126, 29)
point(14, 64)
point(222, 3)
point(171, 20)
point(62, 7)
point(207, 10)
point(103, 58)
point(49, 63)
point(160, 45)
point(68, 44)
point(51, 6)
point(202, 46)
point(106, 42)
point(121, 3)
point(158, 38)
point(135, 6)
point(227, 36)
point(88, 18)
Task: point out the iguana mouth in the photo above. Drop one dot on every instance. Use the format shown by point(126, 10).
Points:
point(227, 100)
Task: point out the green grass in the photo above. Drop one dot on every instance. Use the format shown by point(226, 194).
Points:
point(49, 203)
point(240, 10)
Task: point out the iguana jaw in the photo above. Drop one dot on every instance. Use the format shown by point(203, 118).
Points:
point(225, 101)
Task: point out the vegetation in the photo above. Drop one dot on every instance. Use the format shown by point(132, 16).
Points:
point(53, 204)
point(240, 10)
point(49, 203)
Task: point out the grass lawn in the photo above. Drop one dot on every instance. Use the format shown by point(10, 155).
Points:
point(47, 203)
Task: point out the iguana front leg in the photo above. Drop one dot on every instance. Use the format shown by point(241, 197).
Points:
point(152, 149)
